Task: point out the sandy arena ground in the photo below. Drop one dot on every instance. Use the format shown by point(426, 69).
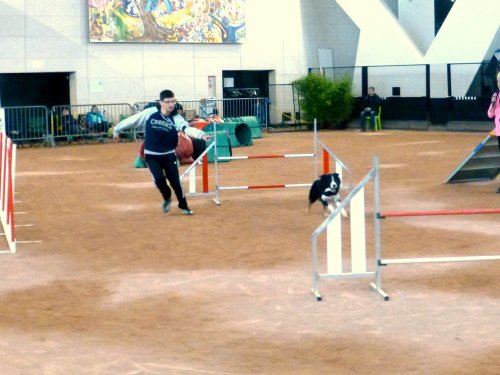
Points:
point(118, 287)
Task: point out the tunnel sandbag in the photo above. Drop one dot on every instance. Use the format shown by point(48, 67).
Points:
point(223, 146)
point(239, 133)
point(243, 134)
point(139, 163)
point(253, 123)
point(184, 149)
point(198, 123)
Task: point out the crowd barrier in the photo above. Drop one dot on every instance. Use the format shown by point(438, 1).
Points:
point(334, 248)
point(47, 126)
point(78, 127)
point(227, 107)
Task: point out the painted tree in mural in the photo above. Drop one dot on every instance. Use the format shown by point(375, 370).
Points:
point(175, 21)
point(152, 30)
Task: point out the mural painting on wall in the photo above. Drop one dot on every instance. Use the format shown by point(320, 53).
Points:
point(167, 21)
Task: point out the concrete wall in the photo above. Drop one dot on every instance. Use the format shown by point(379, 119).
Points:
point(470, 34)
point(382, 39)
point(325, 25)
point(417, 18)
point(283, 37)
point(52, 36)
point(467, 34)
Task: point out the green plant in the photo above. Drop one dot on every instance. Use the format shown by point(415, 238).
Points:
point(328, 101)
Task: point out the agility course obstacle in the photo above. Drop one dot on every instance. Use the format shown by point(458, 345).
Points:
point(483, 163)
point(253, 123)
point(327, 155)
point(478, 211)
point(191, 173)
point(239, 132)
point(332, 226)
point(340, 166)
point(334, 251)
point(7, 178)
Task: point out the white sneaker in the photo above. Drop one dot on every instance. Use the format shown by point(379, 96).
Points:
point(187, 211)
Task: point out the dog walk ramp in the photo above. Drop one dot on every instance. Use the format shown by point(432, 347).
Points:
point(483, 163)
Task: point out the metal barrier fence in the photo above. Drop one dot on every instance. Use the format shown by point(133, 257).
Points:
point(285, 104)
point(437, 93)
point(27, 124)
point(430, 80)
point(211, 107)
point(74, 122)
point(38, 124)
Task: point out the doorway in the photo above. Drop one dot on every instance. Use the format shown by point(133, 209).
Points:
point(34, 89)
point(247, 83)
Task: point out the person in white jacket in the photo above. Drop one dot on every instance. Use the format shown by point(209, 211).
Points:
point(161, 126)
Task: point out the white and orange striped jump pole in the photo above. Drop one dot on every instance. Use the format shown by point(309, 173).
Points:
point(269, 156)
point(332, 225)
point(327, 155)
point(7, 176)
point(191, 173)
point(265, 186)
point(397, 214)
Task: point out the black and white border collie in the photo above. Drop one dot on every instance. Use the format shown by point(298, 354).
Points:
point(326, 189)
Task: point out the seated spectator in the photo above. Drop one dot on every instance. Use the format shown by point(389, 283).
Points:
point(369, 106)
point(208, 107)
point(179, 109)
point(69, 124)
point(96, 123)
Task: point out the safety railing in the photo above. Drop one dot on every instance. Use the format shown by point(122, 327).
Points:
point(38, 124)
point(211, 107)
point(27, 124)
point(73, 122)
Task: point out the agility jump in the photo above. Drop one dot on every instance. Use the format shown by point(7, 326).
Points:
point(327, 155)
point(7, 178)
point(334, 254)
point(385, 262)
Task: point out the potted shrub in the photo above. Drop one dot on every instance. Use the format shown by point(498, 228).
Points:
point(328, 101)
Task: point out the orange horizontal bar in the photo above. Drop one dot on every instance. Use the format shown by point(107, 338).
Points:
point(478, 211)
point(266, 186)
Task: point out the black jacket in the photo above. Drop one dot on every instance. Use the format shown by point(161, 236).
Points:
point(372, 102)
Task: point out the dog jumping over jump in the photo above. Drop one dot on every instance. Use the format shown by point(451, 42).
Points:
point(326, 189)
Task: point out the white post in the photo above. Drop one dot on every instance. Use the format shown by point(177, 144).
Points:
point(334, 246)
point(338, 169)
point(358, 242)
point(315, 151)
point(192, 180)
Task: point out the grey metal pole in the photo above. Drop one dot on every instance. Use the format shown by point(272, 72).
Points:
point(216, 169)
point(378, 243)
point(315, 151)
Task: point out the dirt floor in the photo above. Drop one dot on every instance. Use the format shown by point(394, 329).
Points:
point(117, 287)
